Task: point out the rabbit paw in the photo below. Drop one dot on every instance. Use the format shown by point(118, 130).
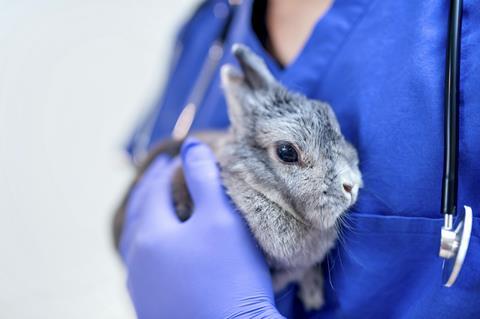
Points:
point(282, 278)
point(311, 289)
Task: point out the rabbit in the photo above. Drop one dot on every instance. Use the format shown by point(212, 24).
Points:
point(287, 168)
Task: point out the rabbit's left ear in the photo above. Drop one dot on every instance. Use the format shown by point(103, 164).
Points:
point(242, 88)
point(257, 75)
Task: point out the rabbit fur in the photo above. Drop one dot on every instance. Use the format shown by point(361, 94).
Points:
point(292, 209)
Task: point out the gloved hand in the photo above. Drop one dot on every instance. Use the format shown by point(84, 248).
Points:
point(206, 267)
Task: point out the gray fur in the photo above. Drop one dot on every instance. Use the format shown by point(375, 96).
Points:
point(291, 209)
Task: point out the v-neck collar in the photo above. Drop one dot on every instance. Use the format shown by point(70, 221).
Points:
point(304, 74)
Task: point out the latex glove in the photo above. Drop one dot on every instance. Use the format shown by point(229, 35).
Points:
point(206, 267)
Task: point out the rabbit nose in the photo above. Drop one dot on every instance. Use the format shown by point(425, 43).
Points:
point(350, 190)
point(347, 187)
point(349, 183)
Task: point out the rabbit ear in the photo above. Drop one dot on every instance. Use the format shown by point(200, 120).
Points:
point(244, 88)
point(256, 74)
point(237, 95)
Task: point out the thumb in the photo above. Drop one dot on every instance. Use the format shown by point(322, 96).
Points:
point(202, 174)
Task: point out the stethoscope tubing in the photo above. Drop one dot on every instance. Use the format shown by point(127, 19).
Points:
point(455, 236)
point(451, 111)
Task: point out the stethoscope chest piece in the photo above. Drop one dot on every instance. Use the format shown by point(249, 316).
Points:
point(454, 244)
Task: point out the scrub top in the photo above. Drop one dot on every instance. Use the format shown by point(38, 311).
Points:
point(380, 64)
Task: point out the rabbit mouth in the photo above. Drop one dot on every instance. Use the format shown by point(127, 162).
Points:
point(324, 217)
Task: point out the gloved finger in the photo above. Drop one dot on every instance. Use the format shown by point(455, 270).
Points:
point(202, 176)
point(150, 207)
point(156, 177)
point(158, 166)
point(161, 211)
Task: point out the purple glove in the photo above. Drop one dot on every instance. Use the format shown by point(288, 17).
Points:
point(206, 267)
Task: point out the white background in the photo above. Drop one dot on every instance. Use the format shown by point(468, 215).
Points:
point(74, 78)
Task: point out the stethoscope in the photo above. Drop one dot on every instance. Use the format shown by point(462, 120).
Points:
point(455, 235)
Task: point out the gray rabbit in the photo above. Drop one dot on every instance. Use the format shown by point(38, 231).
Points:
point(286, 167)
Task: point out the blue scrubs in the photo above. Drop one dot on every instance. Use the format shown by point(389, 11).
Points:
point(380, 64)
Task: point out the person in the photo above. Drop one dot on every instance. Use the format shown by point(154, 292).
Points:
point(380, 64)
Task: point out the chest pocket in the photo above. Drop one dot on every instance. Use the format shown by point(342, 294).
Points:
point(388, 267)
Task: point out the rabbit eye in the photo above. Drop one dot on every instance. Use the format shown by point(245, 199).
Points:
point(286, 152)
